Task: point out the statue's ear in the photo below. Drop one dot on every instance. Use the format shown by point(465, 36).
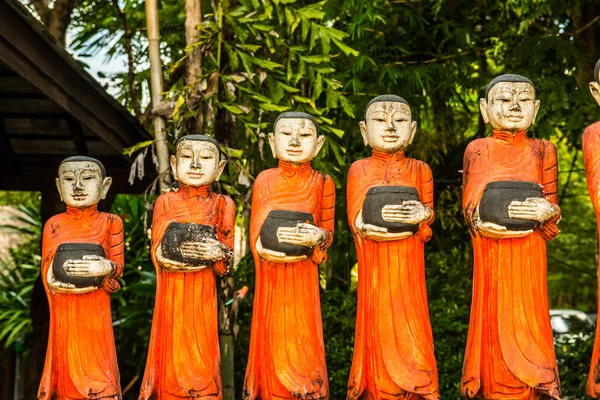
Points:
point(535, 111)
point(595, 91)
point(173, 162)
point(320, 143)
point(484, 112)
point(57, 180)
point(363, 131)
point(106, 182)
point(220, 168)
point(272, 144)
point(413, 130)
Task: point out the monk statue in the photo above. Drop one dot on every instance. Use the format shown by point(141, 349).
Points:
point(82, 258)
point(510, 205)
point(390, 208)
point(591, 160)
point(291, 227)
point(192, 243)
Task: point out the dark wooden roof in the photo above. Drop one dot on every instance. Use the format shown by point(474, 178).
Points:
point(51, 108)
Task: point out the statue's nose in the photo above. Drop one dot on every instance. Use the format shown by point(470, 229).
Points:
point(515, 106)
point(78, 184)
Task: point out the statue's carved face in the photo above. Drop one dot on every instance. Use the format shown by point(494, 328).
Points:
point(388, 126)
point(197, 163)
point(510, 106)
point(295, 140)
point(81, 185)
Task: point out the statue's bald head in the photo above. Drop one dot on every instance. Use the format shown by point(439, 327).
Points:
point(510, 103)
point(514, 78)
point(82, 181)
point(596, 71)
point(385, 98)
point(388, 124)
point(595, 83)
point(73, 159)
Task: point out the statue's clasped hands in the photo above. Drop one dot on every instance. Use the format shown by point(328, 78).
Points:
point(302, 235)
point(409, 212)
point(89, 266)
point(207, 250)
point(532, 209)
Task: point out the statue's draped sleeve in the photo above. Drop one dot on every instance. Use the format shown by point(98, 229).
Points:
point(393, 349)
point(591, 160)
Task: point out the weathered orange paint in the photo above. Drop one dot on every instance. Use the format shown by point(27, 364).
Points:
point(287, 351)
point(510, 350)
point(183, 356)
point(81, 361)
point(591, 160)
point(393, 347)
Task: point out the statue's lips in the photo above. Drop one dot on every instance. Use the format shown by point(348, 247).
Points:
point(195, 175)
point(514, 118)
point(390, 138)
point(294, 152)
point(81, 196)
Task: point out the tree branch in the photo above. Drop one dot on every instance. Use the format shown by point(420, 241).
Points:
point(176, 75)
point(437, 59)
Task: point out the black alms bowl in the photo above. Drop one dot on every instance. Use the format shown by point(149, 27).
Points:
point(178, 233)
point(288, 219)
point(380, 196)
point(496, 198)
point(76, 251)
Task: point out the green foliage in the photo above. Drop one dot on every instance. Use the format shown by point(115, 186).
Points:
point(329, 58)
point(574, 354)
point(16, 285)
point(132, 306)
point(18, 274)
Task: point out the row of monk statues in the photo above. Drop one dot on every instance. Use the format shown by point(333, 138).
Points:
point(510, 205)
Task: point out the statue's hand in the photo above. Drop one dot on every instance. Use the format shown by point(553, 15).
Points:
point(409, 212)
point(491, 230)
point(275, 256)
point(302, 235)
point(89, 266)
point(168, 263)
point(533, 209)
point(207, 249)
point(377, 233)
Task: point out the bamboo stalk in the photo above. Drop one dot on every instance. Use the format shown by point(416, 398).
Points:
point(156, 86)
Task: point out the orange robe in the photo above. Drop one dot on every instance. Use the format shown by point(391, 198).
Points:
point(81, 361)
point(510, 349)
point(287, 352)
point(393, 348)
point(591, 160)
point(184, 360)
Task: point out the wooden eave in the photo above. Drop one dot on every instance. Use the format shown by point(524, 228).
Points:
point(51, 108)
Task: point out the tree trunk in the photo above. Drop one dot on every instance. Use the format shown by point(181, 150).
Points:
point(57, 18)
point(584, 23)
point(193, 62)
point(156, 85)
